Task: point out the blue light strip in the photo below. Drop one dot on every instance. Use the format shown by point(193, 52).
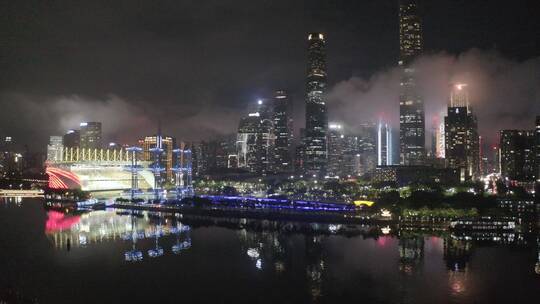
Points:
point(271, 203)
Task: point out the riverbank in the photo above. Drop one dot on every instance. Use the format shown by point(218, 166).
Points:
point(352, 217)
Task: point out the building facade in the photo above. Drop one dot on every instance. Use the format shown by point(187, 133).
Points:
point(55, 148)
point(316, 112)
point(282, 132)
point(167, 144)
point(517, 158)
point(384, 144)
point(537, 130)
point(255, 141)
point(336, 141)
point(90, 135)
point(72, 139)
point(462, 146)
point(412, 127)
point(367, 148)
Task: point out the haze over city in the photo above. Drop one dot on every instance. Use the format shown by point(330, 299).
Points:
point(386, 151)
point(196, 67)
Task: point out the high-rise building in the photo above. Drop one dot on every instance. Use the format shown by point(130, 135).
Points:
point(256, 140)
point(517, 159)
point(494, 163)
point(316, 117)
point(384, 144)
point(200, 159)
point(90, 135)
point(55, 148)
point(8, 144)
point(282, 132)
point(165, 158)
point(246, 142)
point(225, 148)
point(367, 148)
point(538, 148)
point(335, 141)
point(214, 156)
point(440, 150)
point(351, 156)
point(11, 162)
point(72, 139)
point(412, 127)
point(461, 135)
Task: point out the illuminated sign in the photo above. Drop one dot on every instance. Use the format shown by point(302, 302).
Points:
point(359, 203)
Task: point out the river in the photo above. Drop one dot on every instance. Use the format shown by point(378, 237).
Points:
point(115, 256)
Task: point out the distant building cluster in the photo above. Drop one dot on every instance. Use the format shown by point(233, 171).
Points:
point(16, 162)
point(79, 159)
point(264, 143)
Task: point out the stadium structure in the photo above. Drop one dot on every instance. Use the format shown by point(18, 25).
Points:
point(98, 170)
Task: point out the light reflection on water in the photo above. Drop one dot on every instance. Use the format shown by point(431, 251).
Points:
point(266, 261)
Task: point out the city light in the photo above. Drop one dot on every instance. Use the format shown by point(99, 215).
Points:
point(211, 153)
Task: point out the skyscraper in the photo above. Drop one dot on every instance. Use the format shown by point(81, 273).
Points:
point(384, 144)
point(367, 148)
point(166, 158)
point(461, 134)
point(352, 165)
point(90, 135)
point(412, 127)
point(316, 116)
point(256, 139)
point(282, 132)
point(54, 148)
point(517, 155)
point(440, 151)
point(72, 139)
point(336, 140)
point(538, 148)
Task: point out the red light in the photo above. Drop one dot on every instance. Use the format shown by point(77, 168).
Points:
point(55, 178)
point(57, 221)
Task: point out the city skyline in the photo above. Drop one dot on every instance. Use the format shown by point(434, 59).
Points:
point(353, 87)
point(269, 151)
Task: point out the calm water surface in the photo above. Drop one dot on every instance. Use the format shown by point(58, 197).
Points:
point(113, 256)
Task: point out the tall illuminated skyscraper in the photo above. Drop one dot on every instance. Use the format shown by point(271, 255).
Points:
point(412, 127)
point(440, 151)
point(256, 140)
point(461, 134)
point(336, 141)
point(316, 116)
point(537, 148)
point(282, 132)
point(384, 144)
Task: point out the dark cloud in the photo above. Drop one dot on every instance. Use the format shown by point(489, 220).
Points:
point(196, 65)
point(504, 93)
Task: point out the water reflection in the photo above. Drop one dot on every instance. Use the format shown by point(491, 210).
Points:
point(411, 252)
point(83, 229)
point(286, 249)
point(537, 265)
point(261, 239)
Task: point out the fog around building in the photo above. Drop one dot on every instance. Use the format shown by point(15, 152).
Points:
point(504, 93)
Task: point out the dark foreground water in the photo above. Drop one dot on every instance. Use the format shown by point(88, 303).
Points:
point(115, 257)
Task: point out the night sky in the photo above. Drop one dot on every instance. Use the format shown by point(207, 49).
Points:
point(197, 65)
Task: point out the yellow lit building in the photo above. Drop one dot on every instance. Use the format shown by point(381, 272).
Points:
point(167, 144)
